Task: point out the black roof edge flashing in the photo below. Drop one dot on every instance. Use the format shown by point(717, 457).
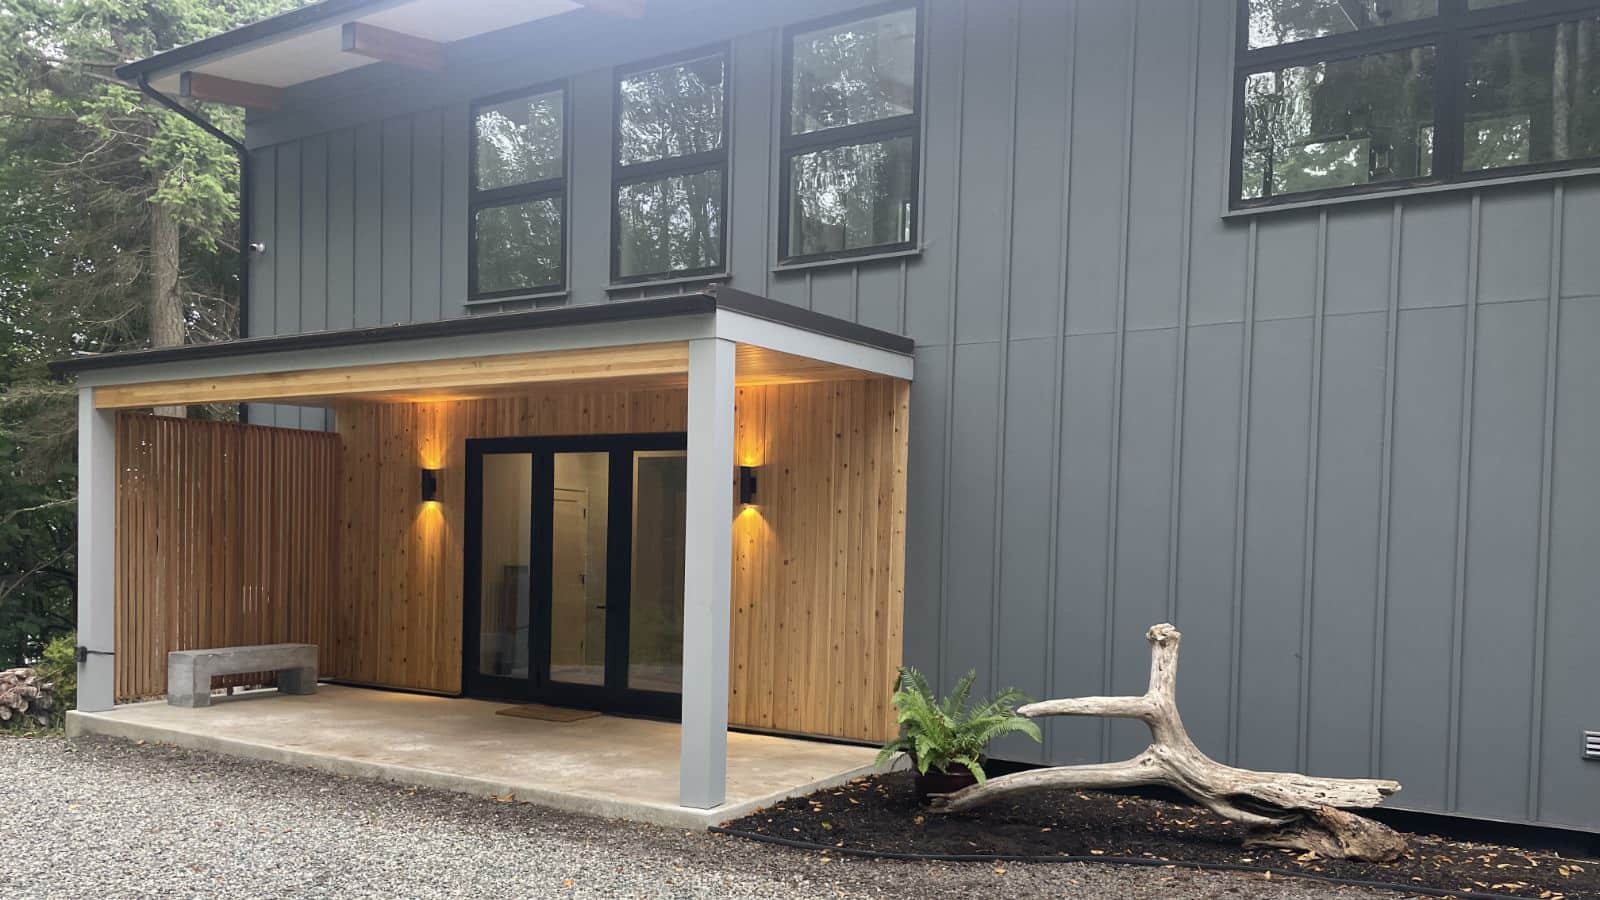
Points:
point(702, 303)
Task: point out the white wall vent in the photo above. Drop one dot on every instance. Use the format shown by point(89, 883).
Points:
point(1591, 745)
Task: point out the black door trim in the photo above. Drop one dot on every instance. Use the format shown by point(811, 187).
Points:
point(614, 695)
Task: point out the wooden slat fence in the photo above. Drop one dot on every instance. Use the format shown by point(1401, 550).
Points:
point(227, 535)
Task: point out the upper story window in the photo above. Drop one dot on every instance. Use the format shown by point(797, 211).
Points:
point(518, 195)
point(670, 171)
point(850, 136)
point(1348, 96)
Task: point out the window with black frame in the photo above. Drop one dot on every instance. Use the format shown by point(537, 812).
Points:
point(518, 203)
point(670, 168)
point(1335, 97)
point(851, 135)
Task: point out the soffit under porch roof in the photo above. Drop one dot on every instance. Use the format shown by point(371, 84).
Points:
point(312, 42)
point(632, 344)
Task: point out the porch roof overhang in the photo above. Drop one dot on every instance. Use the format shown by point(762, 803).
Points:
point(631, 343)
point(251, 64)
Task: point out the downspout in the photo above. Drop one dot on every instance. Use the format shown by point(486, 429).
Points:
point(243, 153)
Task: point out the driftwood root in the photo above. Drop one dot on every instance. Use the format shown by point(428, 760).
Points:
point(1334, 834)
point(1284, 809)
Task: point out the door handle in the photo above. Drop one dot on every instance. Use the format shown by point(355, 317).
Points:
point(599, 606)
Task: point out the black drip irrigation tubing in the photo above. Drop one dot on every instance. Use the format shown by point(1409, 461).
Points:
point(907, 856)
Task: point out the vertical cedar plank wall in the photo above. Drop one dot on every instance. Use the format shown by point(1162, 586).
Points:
point(818, 564)
point(226, 536)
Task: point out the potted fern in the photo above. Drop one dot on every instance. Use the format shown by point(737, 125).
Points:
point(945, 740)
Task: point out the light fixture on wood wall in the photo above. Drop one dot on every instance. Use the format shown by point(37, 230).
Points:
point(747, 485)
point(430, 485)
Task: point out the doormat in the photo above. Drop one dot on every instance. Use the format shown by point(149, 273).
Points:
point(546, 713)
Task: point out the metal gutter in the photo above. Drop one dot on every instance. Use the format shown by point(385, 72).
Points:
point(245, 183)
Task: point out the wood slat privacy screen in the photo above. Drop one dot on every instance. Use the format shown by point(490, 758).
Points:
point(226, 536)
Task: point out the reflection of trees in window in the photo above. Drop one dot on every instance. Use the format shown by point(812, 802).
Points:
point(1533, 96)
point(519, 246)
point(676, 110)
point(850, 139)
point(1342, 94)
point(519, 141)
point(670, 168)
point(859, 72)
point(671, 225)
point(851, 197)
point(518, 190)
point(1337, 124)
point(1274, 22)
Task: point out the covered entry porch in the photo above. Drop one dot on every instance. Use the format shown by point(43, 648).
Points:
point(606, 765)
point(791, 602)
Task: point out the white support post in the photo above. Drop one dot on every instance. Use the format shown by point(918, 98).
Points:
point(707, 575)
point(97, 553)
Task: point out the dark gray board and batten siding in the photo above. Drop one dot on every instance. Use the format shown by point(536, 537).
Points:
point(1350, 451)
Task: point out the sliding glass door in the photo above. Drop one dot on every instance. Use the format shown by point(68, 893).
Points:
point(574, 592)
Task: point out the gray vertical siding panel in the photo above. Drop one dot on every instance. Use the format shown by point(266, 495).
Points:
point(1082, 541)
point(925, 512)
point(1269, 689)
point(973, 494)
point(1207, 485)
point(263, 229)
point(1502, 557)
point(1579, 264)
point(396, 225)
point(455, 173)
point(1343, 601)
point(750, 141)
point(925, 506)
point(1143, 515)
point(314, 233)
point(341, 228)
point(928, 306)
point(1036, 291)
point(1569, 785)
point(1348, 451)
point(1024, 551)
point(1427, 421)
point(369, 214)
point(427, 199)
point(589, 180)
point(287, 259)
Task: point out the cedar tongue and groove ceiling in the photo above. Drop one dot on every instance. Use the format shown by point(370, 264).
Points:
point(252, 65)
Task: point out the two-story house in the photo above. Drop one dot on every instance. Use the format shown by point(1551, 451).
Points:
point(747, 350)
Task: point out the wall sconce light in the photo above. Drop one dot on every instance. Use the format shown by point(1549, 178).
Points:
point(747, 485)
point(430, 485)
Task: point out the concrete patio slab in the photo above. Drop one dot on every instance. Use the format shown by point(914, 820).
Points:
point(607, 766)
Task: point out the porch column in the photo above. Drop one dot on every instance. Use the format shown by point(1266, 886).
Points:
point(707, 575)
point(97, 552)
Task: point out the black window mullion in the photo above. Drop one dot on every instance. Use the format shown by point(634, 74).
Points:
point(655, 170)
point(847, 135)
point(517, 193)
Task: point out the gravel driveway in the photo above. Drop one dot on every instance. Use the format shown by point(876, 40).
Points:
point(97, 818)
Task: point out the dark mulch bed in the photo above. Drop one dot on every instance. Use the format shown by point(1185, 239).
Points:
point(882, 814)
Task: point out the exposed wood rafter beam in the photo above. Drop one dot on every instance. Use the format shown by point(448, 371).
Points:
point(396, 47)
point(200, 86)
point(628, 9)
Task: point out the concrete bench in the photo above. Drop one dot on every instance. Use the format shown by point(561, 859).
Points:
point(189, 672)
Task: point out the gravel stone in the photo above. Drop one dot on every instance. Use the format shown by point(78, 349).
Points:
point(102, 818)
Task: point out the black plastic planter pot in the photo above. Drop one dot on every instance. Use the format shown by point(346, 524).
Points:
point(943, 783)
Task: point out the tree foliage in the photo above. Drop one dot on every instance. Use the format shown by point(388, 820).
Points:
point(84, 159)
